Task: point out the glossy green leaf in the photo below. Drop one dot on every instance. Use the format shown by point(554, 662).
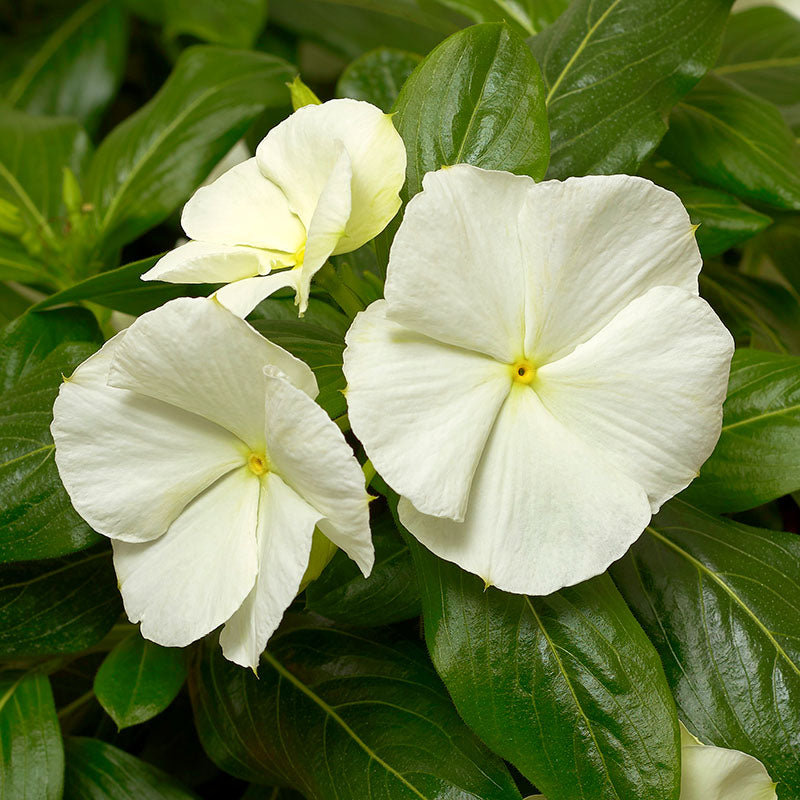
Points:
point(139, 679)
point(721, 602)
point(781, 247)
point(737, 141)
point(152, 161)
point(377, 76)
point(761, 53)
point(565, 687)
point(57, 606)
point(334, 714)
point(390, 594)
point(525, 16)
point(756, 459)
point(476, 99)
point(31, 751)
point(75, 69)
point(36, 517)
point(613, 69)
point(96, 770)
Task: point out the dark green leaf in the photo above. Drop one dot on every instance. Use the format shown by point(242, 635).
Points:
point(58, 606)
point(75, 69)
point(565, 687)
point(781, 245)
point(476, 99)
point(730, 138)
point(139, 679)
point(153, 160)
point(377, 76)
point(390, 594)
point(31, 751)
point(756, 458)
point(761, 53)
point(525, 16)
point(334, 714)
point(99, 771)
point(613, 69)
point(721, 602)
point(12, 303)
point(36, 517)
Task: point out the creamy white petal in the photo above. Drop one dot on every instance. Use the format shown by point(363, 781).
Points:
point(130, 464)
point(243, 207)
point(197, 355)
point(309, 452)
point(299, 154)
point(545, 510)
point(422, 410)
point(285, 530)
point(193, 578)
point(715, 773)
point(592, 245)
point(456, 270)
point(647, 390)
point(243, 296)
point(201, 262)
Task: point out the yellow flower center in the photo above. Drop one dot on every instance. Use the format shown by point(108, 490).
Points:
point(299, 256)
point(523, 371)
point(258, 463)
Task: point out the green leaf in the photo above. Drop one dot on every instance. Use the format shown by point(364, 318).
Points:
point(761, 53)
point(525, 16)
point(724, 221)
point(565, 687)
point(58, 606)
point(98, 771)
point(139, 679)
point(76, 69)
point(18, 264)
point(334, 714)
point(390, 594)
point(152, 161)
point(756, 459)
point(613, 69)
point(36, 517)
point(781, 246)
point(476, 99)
point(377, 76)
point(737, 141)
point(31, 751)
point(721, 602)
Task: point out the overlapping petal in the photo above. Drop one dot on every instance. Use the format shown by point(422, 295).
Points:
point(116, 451)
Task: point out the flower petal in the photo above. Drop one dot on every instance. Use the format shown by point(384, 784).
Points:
point(243, 207)
point(647, 390)
point(285, 530)
point(545, 510)
point(594, 244)
point(422, 409)
point(201, 262)
point(241, 297)
point(131, 464)
point(192, 579)
point(299, 155)
point(455, 270)
point(196, 355)
point(309, 452)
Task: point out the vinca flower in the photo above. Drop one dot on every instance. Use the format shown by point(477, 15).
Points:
point(324, 181)
point(542, 375)
point(195, 444)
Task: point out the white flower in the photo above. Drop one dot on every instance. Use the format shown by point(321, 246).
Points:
point(196, 446)
point(323, 182)
point(542, 374)
point(789, 6)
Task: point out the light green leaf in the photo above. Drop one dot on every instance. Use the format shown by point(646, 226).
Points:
point(377, 76)
point(756, 459)
point(73, 71)
point(36, 517)
point(31, 751)
point(721, 602)
point(98, 771)
point(152, 161)
point(476, 99)
point(613, 69)
point(565, 687)
point(335, 714)
point(139, 679)
point(525, 16)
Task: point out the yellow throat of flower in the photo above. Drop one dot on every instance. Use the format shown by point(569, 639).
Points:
point(522, 371)
point(258, 464)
